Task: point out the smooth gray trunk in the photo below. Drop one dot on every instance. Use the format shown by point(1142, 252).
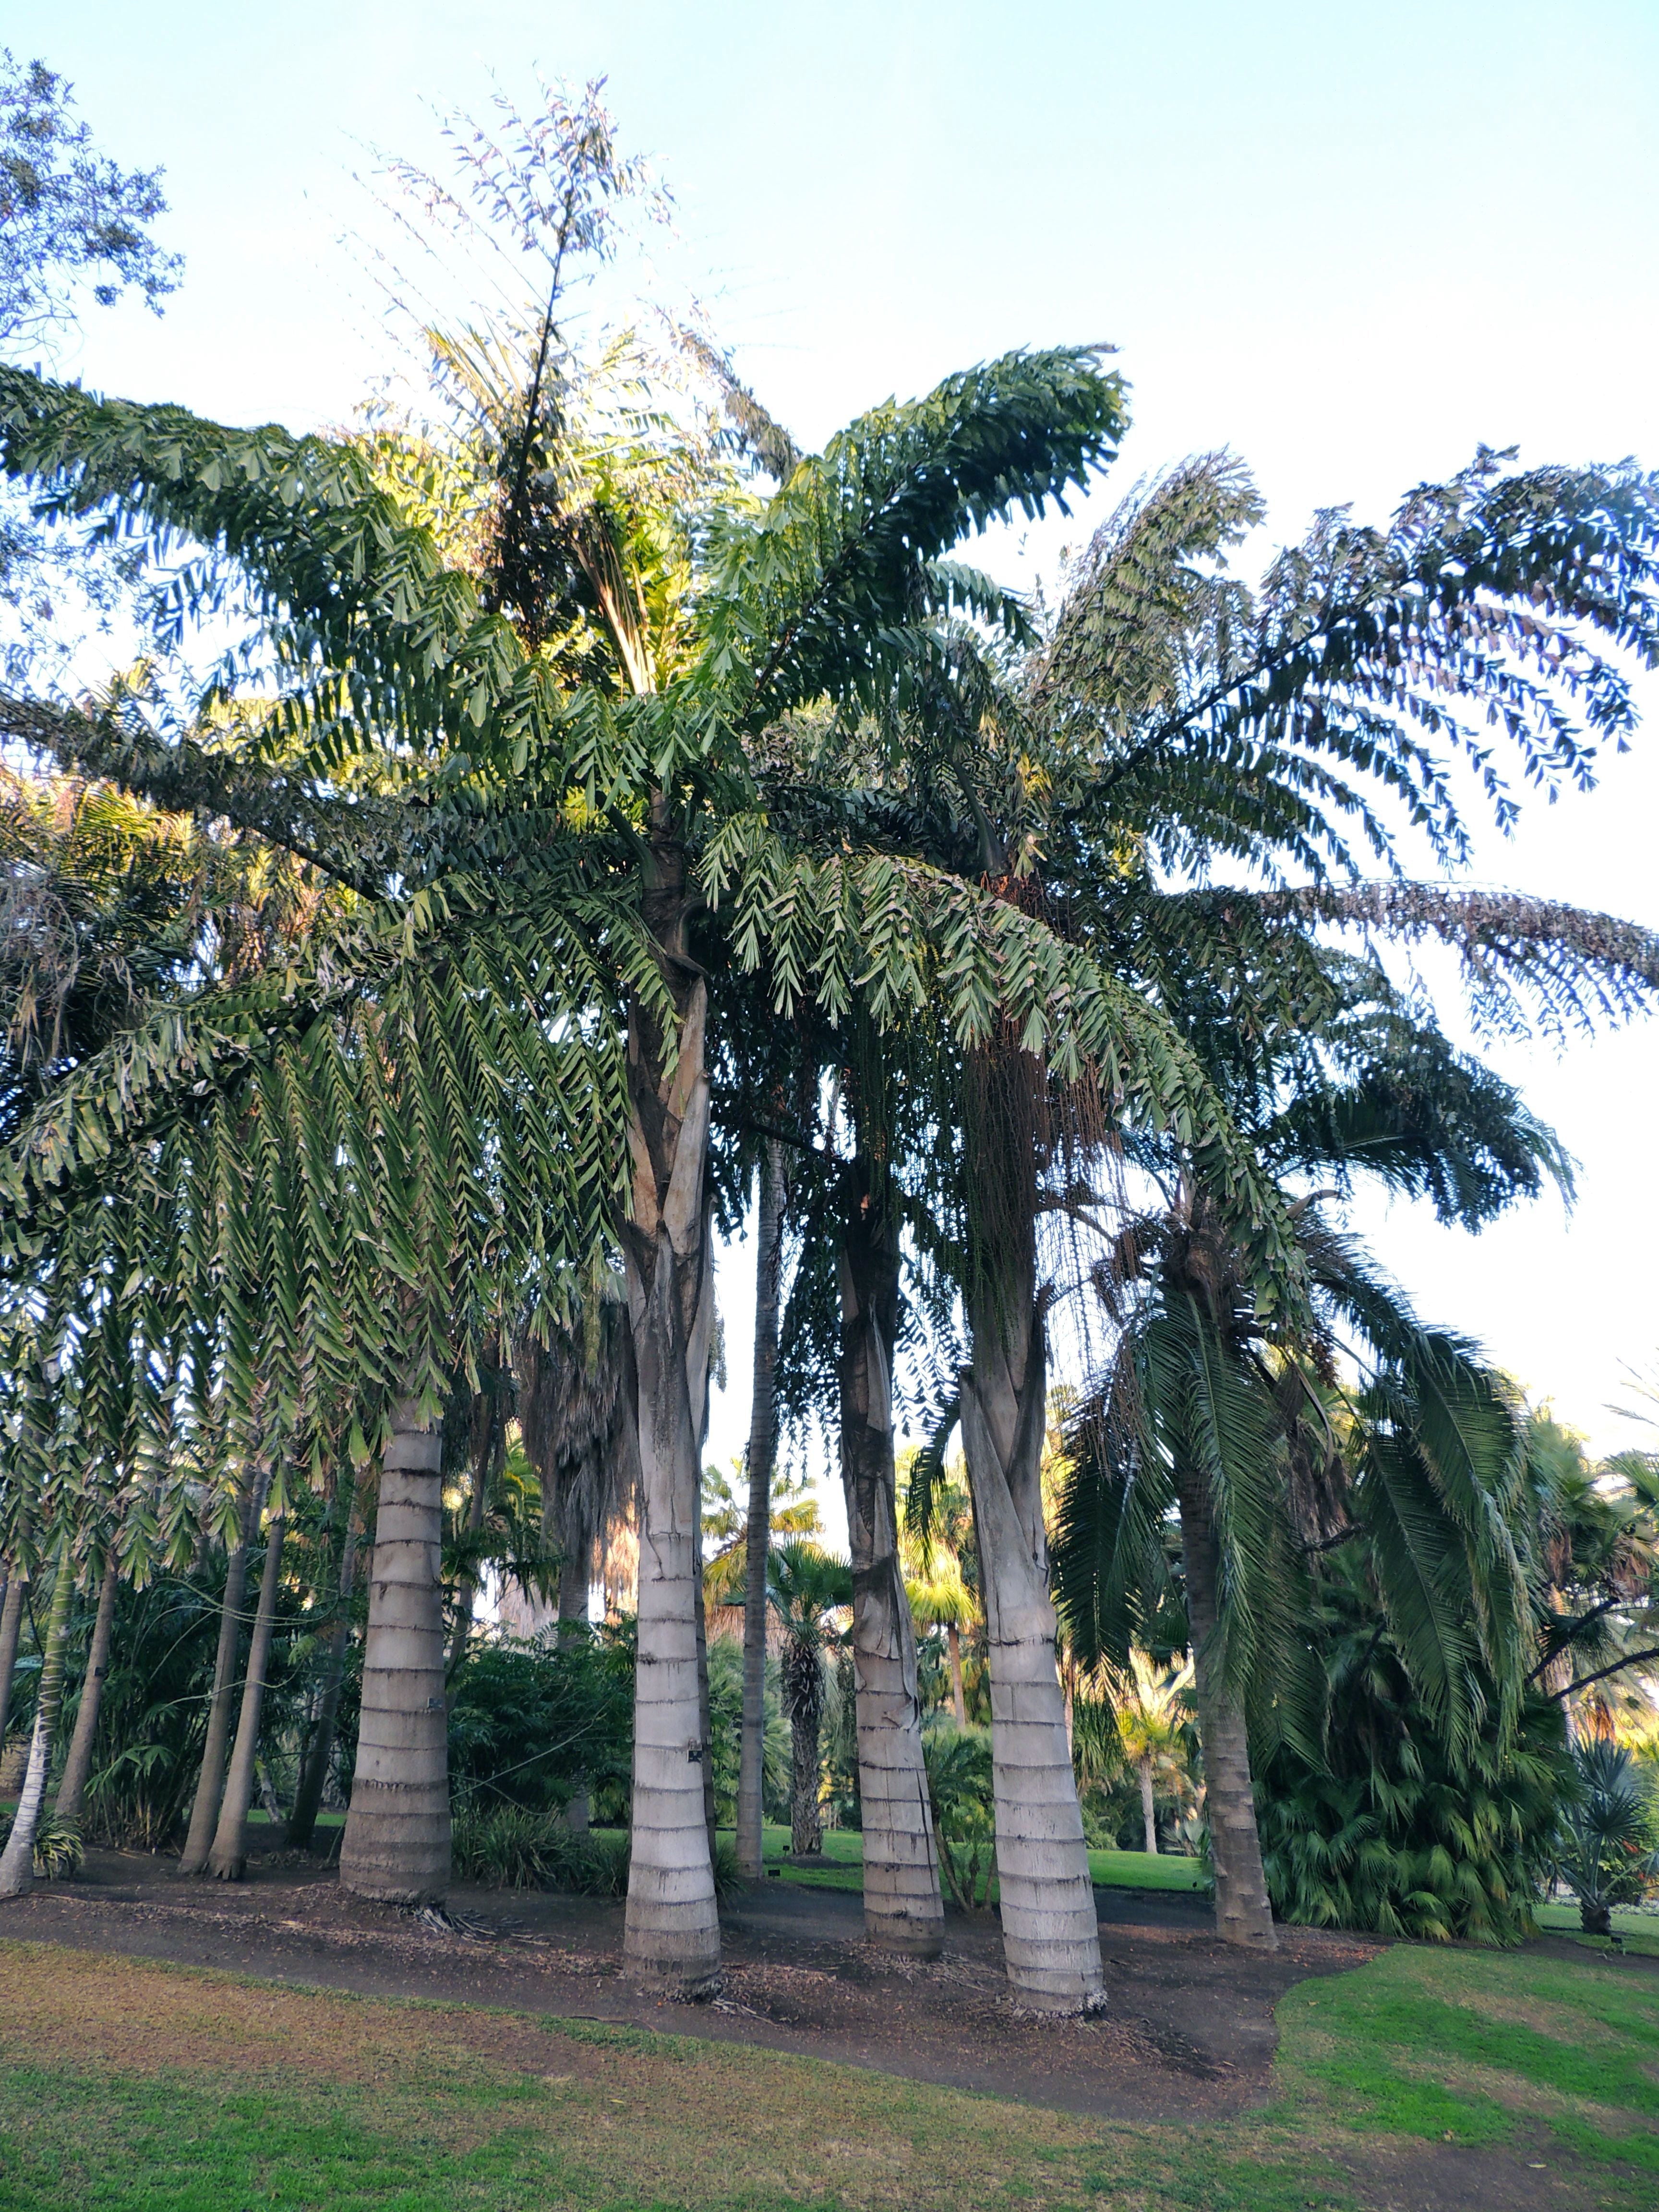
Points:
point(1050, 1929)
point(762, 1459)
point(902, 1909)
point(77, 1768)
point(11, 1623)
point(228, 1860)
point(1148, 1809)
point(671, 1931)
point(397, 1834)
point(1243, 1913)
point(211, 1784)
point(17, 1860)
point(308, 1798)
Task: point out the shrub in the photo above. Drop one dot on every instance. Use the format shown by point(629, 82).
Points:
point(1396, 1829)
point(58, 1851)
point(958, 1762)
point(530, 1723)
point(510, 1846)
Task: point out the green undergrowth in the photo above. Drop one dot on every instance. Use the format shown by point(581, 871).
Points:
point(127, 2086)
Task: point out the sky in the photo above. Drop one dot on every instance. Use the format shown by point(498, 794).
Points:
point(1350, 243)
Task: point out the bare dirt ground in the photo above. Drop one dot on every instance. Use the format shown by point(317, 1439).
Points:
point(1188, 2033)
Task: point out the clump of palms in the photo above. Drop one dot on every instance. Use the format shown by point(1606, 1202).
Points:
point(810, 1589)
point(1153, 1707)
point(1609, 1851)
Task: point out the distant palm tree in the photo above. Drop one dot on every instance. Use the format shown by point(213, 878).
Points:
point(940, 1598)
point(807, 1586)
point(1150, 1703)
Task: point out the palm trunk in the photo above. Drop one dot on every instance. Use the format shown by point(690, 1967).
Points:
point(228, 1861)
point(902, 1909)
point(308, 1798)
point(210, 1787)
point(397, 1836)
point(11, 1624)
point(805, 1829)
point(762, 1456)
point(1050, 1928)
point(1148, 1810)
point(17, 1860)
point(958, 1700)
point(72, 1790)
point(673, 1929)
point(1241, 1910)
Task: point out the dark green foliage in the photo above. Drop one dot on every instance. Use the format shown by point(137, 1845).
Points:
point(153, 1710)
point(515, 1847)
point(58, 1851)
point(1393, 1831)
point(532, 1722)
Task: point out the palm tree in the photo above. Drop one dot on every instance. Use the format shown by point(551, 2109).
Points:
point(1151, 1707)
point(940, 1598)
point(1217, 1412)
point(1608, 1852)
point(807, 1586)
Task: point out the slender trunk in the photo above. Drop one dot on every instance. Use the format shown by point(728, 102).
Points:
point(673, 1929)
point(573, 1619)
point(72, 1790)
point(1241, 1910)
point(228, 1861)
point(1148, 1811)
point(17, 1860)
point(1050, 1928)
point(397, 1835)
point(805, 1830)
point(762, 1456)
point(902, 1909)
point(209, 1788)
point(958, 1700)
point(308, 1798)
point(11, 1623)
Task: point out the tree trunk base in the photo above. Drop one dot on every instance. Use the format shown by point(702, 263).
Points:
point(397, 1846)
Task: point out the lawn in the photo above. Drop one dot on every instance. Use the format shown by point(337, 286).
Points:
point(1111, 1869)
point(131, 2087)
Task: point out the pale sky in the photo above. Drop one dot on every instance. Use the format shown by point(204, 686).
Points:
point(1351, 243)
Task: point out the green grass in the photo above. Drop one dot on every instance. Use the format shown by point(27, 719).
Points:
point(127, 2086)
point(1112, 1869)
point(1636, 1926)
point(1144, 1870)
point(133, 2086)
point(1476, 2047)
